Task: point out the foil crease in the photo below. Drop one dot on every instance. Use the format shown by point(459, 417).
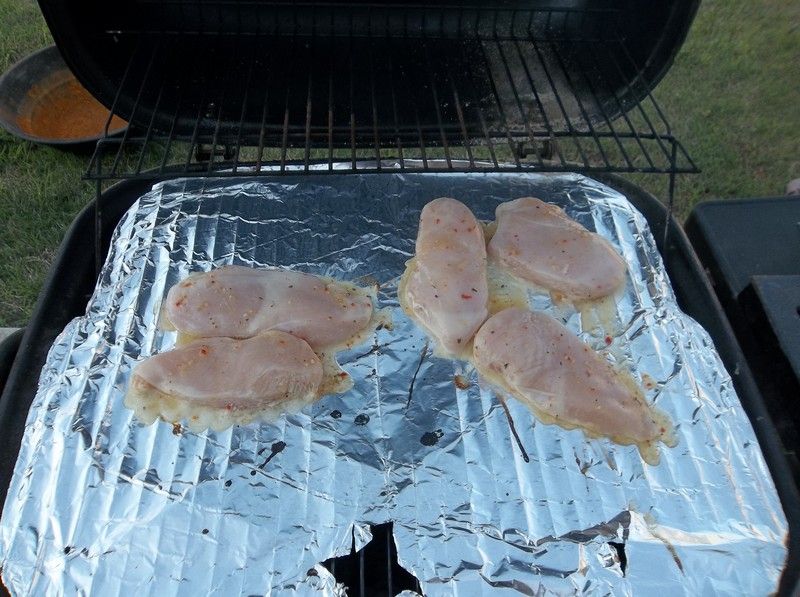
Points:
point(100, 504)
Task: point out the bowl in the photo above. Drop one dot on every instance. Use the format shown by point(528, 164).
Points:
point(42, 101)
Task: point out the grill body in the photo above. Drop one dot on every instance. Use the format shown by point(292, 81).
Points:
point(72, 281)
point(224, 87)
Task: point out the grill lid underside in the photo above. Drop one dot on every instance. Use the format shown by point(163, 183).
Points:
point(527, 86)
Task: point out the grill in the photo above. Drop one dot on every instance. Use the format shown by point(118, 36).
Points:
point(226, 88)
point(502, 90)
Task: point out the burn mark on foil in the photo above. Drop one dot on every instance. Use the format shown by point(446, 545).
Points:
point(431, 438)
point(376, 348)
point(583, 467)
point(608, 530)
point(461, 382)
point(652, 527)
point(361, 419)
point(275, 449)
point(422, 356)
point(673, 552)
point(513, 427)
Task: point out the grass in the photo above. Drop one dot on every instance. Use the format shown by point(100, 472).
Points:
point(40, 188)
point(732, 94)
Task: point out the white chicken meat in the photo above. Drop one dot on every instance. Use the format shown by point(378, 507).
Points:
point(539, 243)
point(542, 363)
point(240, 302)
point(444, 287)
point(238, 377)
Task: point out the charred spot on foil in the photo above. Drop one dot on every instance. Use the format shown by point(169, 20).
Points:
point(623, 557)
point(336, 414)
point(416, 371)
point(275, 449)
point(67, 549)
point(176, 429)
point(204, 531)
point(514, 433)
point(431, 438)
point(228, 483)
point(461, 382)
point(361, 419)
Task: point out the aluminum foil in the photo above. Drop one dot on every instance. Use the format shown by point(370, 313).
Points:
point(100, 504)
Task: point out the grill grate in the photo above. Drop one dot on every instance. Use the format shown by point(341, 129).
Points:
point(374, 569)
point(447, 88)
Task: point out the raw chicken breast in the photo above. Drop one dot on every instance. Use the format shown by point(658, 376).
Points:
point(538, 242)
point(543, 364)
point(444, 287)
point(271, 371)
point(240, 302)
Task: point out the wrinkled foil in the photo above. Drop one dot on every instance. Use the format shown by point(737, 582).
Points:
point(100, 504)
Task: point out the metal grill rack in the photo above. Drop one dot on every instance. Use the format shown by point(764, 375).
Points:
point(359, 573)
point(320, 88)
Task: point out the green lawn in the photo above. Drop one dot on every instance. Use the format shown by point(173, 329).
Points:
point(733, 96)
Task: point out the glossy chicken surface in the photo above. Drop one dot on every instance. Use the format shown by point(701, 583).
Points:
point(542, 363)
point(233, 374)
point(444, 288)
point(539, 243)
point(240, 302)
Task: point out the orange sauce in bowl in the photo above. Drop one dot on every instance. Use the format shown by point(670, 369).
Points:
point(60, 108)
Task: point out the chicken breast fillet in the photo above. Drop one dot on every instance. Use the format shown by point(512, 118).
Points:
point(268, 371)
point(542, 363)
point(539, 243)
point(444, 288)
point(240, 302)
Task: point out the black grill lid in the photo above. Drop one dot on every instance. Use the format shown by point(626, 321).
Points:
point(386, 76)
point(637, 40)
